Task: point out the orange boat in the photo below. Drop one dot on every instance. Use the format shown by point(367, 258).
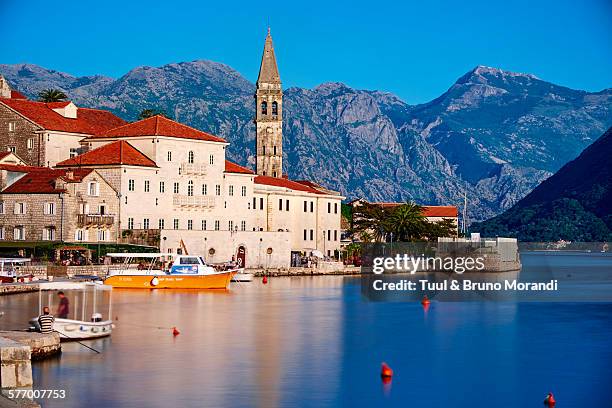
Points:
point(186, 272)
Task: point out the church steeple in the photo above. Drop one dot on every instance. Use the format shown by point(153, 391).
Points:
point(269, 116)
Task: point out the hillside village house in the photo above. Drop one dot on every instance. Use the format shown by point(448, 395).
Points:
point(43, 204)
point(42, 134)
point(166, 179)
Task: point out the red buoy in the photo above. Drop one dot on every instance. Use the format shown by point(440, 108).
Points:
point(425, 301)
point(386, 371)
point(264, 280)
point(175, 331)
point(549, 401)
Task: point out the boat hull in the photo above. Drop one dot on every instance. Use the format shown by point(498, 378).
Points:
point(70, 329)
point(212, 281)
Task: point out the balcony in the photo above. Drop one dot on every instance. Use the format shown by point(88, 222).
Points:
point(195, 169)
point(193, 201)
point(95, 220)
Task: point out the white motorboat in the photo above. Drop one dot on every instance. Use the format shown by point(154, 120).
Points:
point(78, 328)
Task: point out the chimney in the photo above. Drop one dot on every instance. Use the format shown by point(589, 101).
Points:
point(5, 89)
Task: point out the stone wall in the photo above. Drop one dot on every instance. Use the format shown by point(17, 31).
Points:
point(15, 364)
point(34, 220)
point(18, 138)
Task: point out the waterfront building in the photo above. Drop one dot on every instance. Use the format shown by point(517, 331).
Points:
point(42, 134)
point(43, 204)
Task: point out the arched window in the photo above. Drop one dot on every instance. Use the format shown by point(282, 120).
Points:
point(264, 108)
point(190, 188)
point(274, 108)
point(191, 156)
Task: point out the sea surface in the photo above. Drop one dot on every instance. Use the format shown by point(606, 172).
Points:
point(316, 342)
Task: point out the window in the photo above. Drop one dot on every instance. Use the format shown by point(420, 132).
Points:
point(176, 188)
point(48, 234)
point(311, 235)
point(11, 126)
point(280, 204)
point(211, 159)
point(329, 235)
point(203, 225)
point(12, 149)
point(218, 189)
point(162, 187)
point(275, 150)
point(274, 173)
point(204, 189)
point(264, 108)
point(189, 224)
point(274, 108)
point(254, 203)
point(93, 189)
point(102, 209)
point(102, 235)
point(335, 208)
point(147, 186)
point(230, 225)
point(145, 223)
point(1, 207)
point(79, 235)
point(2, 236)
point(74, 152)
point(176, 224)
point(161, 223)
point(261, 203)
point(169, 156)
point(20, 208)
point(335, 235)
point(264, 151)
point(286, 205)
point(49, 209)
point(242, 225)
point(19, 233)
point(130, 223)
point(305, 206)
point(329, 208)
point(243, 191)
point(311, 206)
point(191, 157)
point(130, 185)
point(190, 188)
point(305, 234)
point(217, 225)
point(231, 190)
point(30, 144)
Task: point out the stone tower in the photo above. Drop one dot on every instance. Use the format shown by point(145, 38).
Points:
point(269, 116)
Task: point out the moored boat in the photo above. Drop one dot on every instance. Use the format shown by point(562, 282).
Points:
point(186, 272)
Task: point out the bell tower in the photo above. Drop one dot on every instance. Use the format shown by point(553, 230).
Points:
point(269, 116)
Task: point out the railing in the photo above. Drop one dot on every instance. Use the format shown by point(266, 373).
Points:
point(193, 201)
point(197, 169)
point(95, 219)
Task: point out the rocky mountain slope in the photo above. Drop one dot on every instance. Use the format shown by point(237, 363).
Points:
point(493, 134)
point(575, 204)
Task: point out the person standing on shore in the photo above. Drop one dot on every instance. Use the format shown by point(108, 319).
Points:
point(63, 308)
point(46, 320)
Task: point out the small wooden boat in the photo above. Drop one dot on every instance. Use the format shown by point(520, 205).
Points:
point(75, 328)
point(186, 272)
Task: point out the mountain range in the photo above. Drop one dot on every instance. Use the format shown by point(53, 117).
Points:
point(493, 135)
point(574, 204)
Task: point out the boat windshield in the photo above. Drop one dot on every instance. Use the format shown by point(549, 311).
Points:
point(190, 260)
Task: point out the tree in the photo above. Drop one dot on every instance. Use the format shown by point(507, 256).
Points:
point(149, 113)
point(51, 95)
point(407, 223)
point(444, 228)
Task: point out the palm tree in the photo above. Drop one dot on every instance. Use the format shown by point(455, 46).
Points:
point(149, 113)
point(407, 222)
point(51, 95)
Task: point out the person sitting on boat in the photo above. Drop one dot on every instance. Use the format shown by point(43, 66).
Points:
point(46, 320)
point(141, 266)
point(63, 308)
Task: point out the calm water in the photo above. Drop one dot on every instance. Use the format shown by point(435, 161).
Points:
point(313, 341)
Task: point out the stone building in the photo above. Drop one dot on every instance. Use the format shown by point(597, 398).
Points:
point(42, 134)
point(43, 204)
point(269, 115)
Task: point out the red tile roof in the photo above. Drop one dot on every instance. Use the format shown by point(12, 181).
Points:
point(283, 182)
point(17, 95)
point(159, 126)
point(16, 167)
point(42, 180)
point(4, 154)
point(88, 121)
point(231, 167)
point(430, 210)
point(115, 153)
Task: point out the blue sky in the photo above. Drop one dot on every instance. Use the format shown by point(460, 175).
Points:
point(415, 49)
